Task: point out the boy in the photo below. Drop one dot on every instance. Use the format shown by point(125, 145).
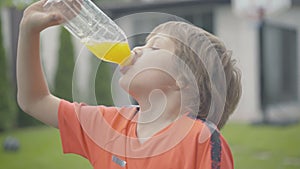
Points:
point(183, 79)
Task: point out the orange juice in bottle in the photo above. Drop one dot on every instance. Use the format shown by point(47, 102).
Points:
point(93, 27)
point(115, 52)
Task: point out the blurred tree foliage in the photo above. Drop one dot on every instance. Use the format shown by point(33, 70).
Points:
point(102, 81)
point(63, 81)
point(5, 3)
point(10, 114)
point(8, 106)
point(20, 4)
point(64, 75)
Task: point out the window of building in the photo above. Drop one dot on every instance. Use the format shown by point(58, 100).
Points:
point(203, 20)
point(279, 65)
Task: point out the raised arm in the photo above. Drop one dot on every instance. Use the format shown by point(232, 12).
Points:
point(33, 92)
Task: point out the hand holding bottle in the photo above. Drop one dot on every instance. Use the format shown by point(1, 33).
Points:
point(93, 27)
point(35, 18)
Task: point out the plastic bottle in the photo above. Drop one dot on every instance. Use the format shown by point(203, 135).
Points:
point(94, 28)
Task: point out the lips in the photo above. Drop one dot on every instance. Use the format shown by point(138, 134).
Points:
point(130, 62)
point(124, 69)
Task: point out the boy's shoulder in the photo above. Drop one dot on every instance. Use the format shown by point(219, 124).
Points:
point(203, 130)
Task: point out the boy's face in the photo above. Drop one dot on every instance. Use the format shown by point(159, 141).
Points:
point(152, 67)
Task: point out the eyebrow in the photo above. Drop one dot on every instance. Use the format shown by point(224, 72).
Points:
point(150, 36)
point(153, 39)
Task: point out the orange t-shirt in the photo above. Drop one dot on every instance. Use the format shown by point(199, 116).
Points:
point(106, 136)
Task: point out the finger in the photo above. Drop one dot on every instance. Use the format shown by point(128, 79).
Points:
point(53, 19)
point(41, 3)
point(77, 5)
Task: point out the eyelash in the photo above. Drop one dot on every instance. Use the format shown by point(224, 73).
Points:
point(154, 48)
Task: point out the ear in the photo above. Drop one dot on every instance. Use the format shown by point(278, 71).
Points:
point(181, 83)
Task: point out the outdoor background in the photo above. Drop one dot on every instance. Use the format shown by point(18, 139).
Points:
point(264, 131)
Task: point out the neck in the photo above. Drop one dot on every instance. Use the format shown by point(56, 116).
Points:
point(157, 111)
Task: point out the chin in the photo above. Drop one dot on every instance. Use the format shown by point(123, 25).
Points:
point(127, 84)
point(124, 84)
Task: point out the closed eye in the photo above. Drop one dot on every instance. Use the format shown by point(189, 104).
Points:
point(154, 48)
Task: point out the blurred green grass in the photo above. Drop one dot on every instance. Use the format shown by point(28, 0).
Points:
point(259, 147)
point(263, 146)
point(40, 149)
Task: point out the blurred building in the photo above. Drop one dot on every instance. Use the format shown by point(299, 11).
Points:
point(267, 52)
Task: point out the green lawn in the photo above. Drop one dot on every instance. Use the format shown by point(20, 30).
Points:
point(40, 149)
point(264, 147)
point(254, 147)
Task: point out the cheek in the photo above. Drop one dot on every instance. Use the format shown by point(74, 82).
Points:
point(152, 70)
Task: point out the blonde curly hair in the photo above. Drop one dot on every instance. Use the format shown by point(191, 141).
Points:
point(218, 79)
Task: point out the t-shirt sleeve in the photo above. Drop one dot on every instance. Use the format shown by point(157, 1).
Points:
point(84, 128)
point(73, 137)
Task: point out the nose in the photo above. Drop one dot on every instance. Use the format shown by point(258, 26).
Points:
point(137, 51)
point(135, 54)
